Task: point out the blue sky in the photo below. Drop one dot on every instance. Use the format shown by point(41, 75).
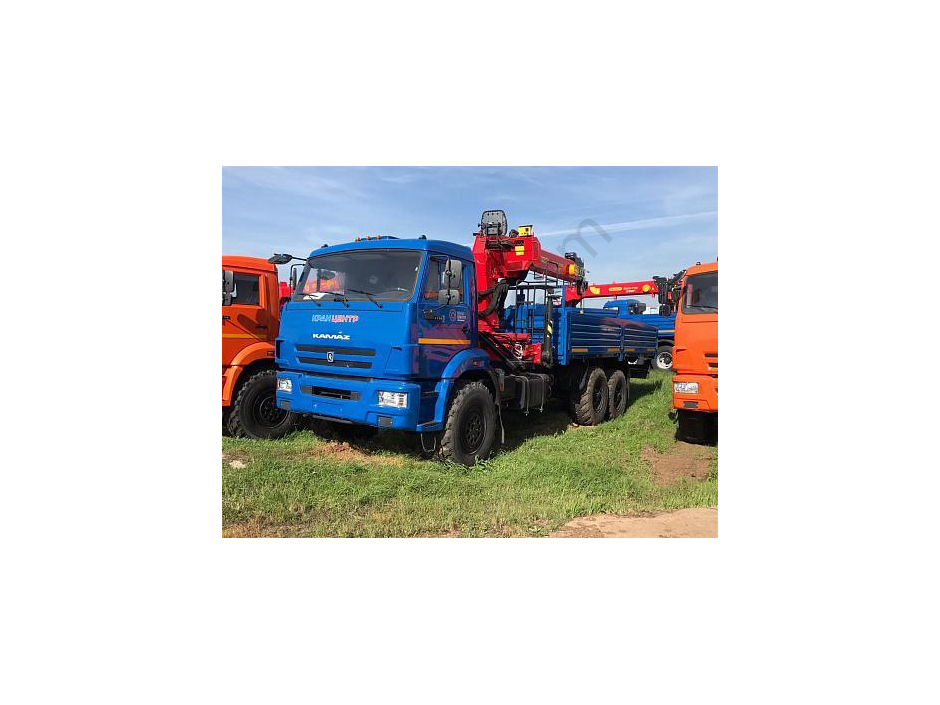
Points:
point(658, 219)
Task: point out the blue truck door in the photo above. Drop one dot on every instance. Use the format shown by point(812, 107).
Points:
point(444, 323)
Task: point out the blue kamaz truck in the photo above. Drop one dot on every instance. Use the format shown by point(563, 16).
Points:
point(432, 337)
point(665, 325)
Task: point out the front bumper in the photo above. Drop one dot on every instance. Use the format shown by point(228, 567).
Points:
point(355, 401)
point(705, 400)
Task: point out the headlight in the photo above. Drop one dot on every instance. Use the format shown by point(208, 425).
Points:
point(685, 387)
point(285, 385)
point(397, 399)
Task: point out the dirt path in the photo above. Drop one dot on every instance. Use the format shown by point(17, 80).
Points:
point(683, 461)
point(699, 522)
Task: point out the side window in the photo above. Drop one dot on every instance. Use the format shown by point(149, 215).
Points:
point(246, 290)
point(432, 283)
point(444, 274)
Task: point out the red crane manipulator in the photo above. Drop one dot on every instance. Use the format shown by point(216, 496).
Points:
point(503, 259)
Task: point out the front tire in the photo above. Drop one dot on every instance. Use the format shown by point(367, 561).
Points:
point(589, 405)
point(470, 430)
point(618, 392)
point(255, 414)
point(663, 358)
point(698, 427)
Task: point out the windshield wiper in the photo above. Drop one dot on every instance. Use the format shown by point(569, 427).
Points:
point(370, 295)
point(341, 297)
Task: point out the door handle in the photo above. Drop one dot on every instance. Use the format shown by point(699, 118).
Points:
point(465, 328)
point(261, 327)
point(226, 318)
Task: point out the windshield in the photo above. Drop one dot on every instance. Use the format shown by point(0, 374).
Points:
point(700, 294)
point(384, 275)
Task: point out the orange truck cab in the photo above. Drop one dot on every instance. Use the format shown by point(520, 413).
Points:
point(251, 315)
point(695, 359)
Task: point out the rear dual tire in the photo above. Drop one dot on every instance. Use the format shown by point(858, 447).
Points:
point(618, 393)
point(589, 403)
point(602, 397)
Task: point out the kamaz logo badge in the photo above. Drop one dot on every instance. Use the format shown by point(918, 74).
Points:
point(329, 356)
point(330, 336)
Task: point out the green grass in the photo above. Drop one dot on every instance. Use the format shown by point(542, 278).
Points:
point(546, 474)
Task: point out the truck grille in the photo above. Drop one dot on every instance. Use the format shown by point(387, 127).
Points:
point(334, 363)
point(324, 352)
point(366, 352)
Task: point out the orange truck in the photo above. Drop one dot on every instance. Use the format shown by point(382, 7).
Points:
point(695, 359)
point(251, 314)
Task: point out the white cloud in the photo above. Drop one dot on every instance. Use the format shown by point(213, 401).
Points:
point(634, 224)
point(301, 182)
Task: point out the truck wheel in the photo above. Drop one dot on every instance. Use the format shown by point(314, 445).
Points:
point(470, 430)
point(255, 414)
point(589, 405)
point(663, 359)
point(693, 426)
point(618, 391)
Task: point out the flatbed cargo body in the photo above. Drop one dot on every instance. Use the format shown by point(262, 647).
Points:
point(585, 334)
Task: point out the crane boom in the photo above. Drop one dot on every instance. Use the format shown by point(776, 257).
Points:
point(504, 258)
point(640, 288)
point(666, 288)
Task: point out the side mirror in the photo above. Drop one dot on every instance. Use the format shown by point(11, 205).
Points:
point(228, 287)
point(445, 296)
point(453, 273)
point(277, 258)
point(665, 310)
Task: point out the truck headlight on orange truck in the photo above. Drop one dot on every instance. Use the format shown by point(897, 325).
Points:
point(685, 387)
point(285, 385)
point(398, 400)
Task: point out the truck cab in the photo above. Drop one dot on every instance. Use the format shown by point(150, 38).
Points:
point(695, 384)
point(377, 330)
point(250, 322)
